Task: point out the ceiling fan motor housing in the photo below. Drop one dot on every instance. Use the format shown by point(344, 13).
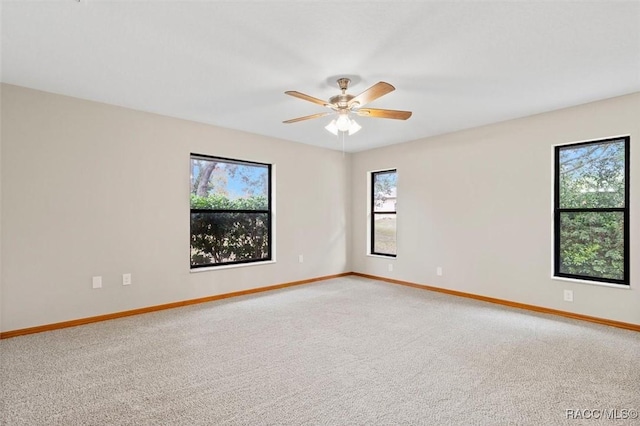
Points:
point(342, 101)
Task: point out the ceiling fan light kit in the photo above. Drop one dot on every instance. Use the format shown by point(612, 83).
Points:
point(344, 105)
point(343, 124)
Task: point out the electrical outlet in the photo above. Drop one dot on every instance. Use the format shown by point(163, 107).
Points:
point(439, 271)
point(96, 282)
point(568, 295)
point(391, 267)
point(300, 258)
point(126, 279)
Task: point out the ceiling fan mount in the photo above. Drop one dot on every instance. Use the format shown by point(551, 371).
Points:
point(342, 100)
point(343, 83)
point(345, 103)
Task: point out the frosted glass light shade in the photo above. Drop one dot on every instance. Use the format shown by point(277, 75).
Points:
point(354, 127)
point(332, 127)
point(343, 123)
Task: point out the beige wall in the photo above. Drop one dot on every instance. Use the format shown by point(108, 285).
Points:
point(91, 189)
point(478, 203)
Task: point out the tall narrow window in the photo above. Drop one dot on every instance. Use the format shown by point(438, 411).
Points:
point(591, 211)
point(383, 212)
point(230, 211)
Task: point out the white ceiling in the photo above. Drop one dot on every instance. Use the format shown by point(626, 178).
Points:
point(456, 65)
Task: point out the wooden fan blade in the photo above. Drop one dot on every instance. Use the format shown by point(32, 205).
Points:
point(308, 117)
point(308, 98)
point(383, 113)
point(372, 93)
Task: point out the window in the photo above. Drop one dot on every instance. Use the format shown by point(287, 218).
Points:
point(383, 212)
point(591, 223)
point(230, 211)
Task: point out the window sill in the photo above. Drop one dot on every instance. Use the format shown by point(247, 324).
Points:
point(382, 256)
point(238, 265)
point(596, 283)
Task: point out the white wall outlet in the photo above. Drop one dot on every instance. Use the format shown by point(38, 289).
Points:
point(96, 282)
point(126, 279)
point(300, 258)
point(439, 271)
point(391, 267)
point(568, 295)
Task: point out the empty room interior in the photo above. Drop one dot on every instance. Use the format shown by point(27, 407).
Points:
point(336, 212)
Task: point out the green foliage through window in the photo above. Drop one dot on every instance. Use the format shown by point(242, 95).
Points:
point(383, 212)
point(591, 214)
point(230, 211)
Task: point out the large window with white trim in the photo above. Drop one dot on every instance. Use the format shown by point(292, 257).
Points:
point(591, 210)
point(384, 192)
point(230, 211)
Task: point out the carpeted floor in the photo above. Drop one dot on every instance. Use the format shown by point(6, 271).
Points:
point(345, 351)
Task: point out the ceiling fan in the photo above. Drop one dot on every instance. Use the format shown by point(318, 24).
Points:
point(344, 105)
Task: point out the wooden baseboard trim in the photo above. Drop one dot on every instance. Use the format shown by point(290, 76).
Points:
point(89, 320)
point(612, 323)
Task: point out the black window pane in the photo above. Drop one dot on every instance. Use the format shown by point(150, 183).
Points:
point(384, 191)
point(228, 185)
point(592, 175)
point(228, 237)
point(384, 234)
point(592, 244)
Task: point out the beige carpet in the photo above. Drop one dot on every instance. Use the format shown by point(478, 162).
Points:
point(346, 351)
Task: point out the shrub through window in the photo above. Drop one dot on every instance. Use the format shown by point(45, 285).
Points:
point(591, 209)
point(230, 211)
